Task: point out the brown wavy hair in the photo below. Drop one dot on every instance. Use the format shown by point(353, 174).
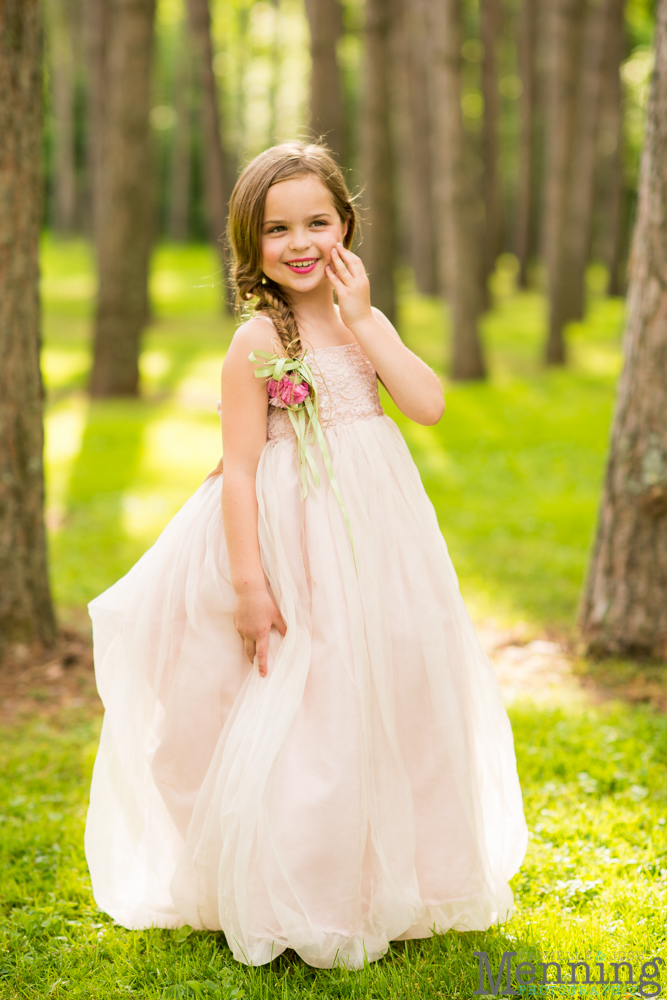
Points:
point(246, 216)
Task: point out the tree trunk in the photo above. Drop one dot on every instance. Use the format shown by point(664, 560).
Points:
point(565, 32)
point(326, 89)
point(459, 246)
point(376, 156)
point(416, 148)
point(615, 211)
point(526, 171)
point(216, 189)
point(63, 65)
point(611, 135)
point(491, 28)
point(96, 27)
point(624, 610)
point(26, 612)
point(181, 148)
point(124, 212)
point(617, 222)
point(582, 186)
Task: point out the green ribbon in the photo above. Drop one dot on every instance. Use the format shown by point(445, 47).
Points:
point(305, 420)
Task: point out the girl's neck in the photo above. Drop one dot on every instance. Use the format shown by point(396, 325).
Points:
point(315, 311)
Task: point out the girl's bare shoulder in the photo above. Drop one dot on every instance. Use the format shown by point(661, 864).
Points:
point(256, 334)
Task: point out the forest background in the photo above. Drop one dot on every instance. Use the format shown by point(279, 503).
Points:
point(511, 214)
point(495, 148)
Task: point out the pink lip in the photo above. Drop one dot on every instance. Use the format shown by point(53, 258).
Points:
point(301, 270)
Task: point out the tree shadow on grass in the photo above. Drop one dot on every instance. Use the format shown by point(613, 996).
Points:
point(93, 548)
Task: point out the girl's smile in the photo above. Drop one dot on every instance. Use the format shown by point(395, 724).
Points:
point(303, 266)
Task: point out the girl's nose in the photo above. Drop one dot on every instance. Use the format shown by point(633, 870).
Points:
point(300, 240)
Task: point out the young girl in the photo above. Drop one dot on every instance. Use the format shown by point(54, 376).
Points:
point(304, 744)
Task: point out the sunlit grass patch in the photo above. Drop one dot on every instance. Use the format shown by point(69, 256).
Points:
point(64, 367)
point(186, 280)
point(514, 470)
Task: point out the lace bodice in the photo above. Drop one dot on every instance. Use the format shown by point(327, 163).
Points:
point(347, 386)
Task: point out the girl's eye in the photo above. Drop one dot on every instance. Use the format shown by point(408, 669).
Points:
point(276, 229)
point(318, 222)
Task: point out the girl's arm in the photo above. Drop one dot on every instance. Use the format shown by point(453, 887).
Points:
point(244, 410)
point(413, 386)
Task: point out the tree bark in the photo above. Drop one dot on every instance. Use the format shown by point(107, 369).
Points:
point(326, 90)
point(124, 212)
point(624, 610)
point(96, 28)
point(565, 35)
point(459, 246)
point(582, 187)
point(491, 27)
point(379, 246)
point(611, 132)
point(616, 212)
point(617, 223)
point(26, 611)
point(416, 148)
point(216, 189)
point(63, 64)
point(181, 150)
point(526, 170)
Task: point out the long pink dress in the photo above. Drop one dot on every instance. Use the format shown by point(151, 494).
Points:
point(366, 789)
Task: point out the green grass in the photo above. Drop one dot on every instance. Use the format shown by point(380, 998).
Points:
point(514, 471)
point(593, 887)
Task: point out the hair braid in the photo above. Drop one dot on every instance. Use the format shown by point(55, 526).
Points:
point(271, 300)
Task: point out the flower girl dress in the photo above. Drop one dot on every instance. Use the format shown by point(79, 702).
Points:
point(366, 789)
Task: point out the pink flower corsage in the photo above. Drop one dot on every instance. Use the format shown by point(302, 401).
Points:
point(286, 393)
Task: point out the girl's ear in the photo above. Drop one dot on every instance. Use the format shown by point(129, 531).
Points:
point(345, 229)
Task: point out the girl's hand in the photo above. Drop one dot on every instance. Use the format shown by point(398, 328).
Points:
point(254, 615)
point(347, 274)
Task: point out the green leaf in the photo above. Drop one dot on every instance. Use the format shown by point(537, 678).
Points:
point(213, 988)
point(182, 933)
point(174, 991)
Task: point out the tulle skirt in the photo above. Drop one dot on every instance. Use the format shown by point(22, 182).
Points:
point(366, 789)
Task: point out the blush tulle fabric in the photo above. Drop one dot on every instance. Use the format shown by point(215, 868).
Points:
point(366, 789)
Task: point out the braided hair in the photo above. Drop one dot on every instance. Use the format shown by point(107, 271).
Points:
point(246, 217)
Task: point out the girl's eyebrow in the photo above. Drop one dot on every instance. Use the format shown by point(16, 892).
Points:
point(282, 222)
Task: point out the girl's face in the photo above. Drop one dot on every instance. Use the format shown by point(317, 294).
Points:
point(301, 225)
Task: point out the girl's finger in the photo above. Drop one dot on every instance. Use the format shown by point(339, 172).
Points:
point(333, 277)
point(351, 260)
point(249, 649)
point(262, 653)
point(339, 264)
